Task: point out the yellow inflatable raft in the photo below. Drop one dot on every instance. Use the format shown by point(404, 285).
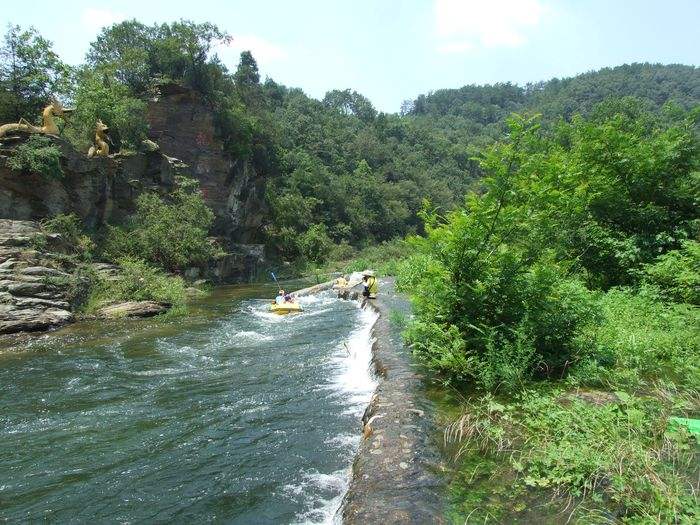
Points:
point(285, 308)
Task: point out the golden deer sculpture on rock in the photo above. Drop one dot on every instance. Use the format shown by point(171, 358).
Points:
point(100, 148)
point(48, 125)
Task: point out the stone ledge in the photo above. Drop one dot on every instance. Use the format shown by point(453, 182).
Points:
point(394, 475)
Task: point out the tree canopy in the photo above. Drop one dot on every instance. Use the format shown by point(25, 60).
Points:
point(337, 169)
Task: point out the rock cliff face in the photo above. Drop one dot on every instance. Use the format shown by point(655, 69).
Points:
point(103, 190)
point(35, 284)
point(97, 190)
point(182, 124)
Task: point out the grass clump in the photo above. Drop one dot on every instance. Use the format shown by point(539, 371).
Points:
point(677, 274)
point(138, 281)
point(70, 228)
point(37, 155)
point(640, 340)
point(606, 458)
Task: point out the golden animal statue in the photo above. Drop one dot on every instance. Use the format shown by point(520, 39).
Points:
point(100, 148)
point(48, 125)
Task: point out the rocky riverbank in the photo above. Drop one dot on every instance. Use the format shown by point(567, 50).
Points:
point(395, 474)
point(35, 285)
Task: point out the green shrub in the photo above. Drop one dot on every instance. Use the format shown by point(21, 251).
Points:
point(138, 281)
point(315, 244)
point(342, 252)
point(100, 96)
point(70, 228)
point(37, 155)
point(640, 340)
point(170, 234)
point(514, 321)
point(677, 274)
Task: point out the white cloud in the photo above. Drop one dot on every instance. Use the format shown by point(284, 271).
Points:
point(95, 19)
point(463, 25)
point(263, 50)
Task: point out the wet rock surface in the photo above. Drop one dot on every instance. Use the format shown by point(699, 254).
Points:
point(395, 477)
point(35, 287)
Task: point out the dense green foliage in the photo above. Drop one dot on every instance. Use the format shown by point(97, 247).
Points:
point(97, 96)
point(485, 105)
point(561, 268)
point(677, 274)
point(138, 281)
point(339, 172)
point(37, 155)
point(499, 283)
point(169, 233)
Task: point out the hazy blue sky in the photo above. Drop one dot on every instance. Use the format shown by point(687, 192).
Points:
point(394, 50)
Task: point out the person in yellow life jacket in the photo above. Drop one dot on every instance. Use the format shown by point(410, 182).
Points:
point(371, 285)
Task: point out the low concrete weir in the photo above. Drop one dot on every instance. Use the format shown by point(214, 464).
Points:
point(395, 473)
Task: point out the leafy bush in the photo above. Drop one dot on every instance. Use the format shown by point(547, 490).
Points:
point(511, 323)
point(37, 155)
point(640, 340)
point(137, 281)
point(314, 243)
point(677, 274)
point(170, 234)
point(506, 270)
point(70, 228)
point(99, 96)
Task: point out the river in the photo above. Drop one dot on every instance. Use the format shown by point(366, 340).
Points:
point(230, 415)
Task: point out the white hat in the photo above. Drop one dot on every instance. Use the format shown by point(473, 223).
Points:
point(368, 273)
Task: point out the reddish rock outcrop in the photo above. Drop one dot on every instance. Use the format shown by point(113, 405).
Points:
point(183, 125)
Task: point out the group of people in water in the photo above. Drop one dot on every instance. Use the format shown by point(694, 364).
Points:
point(370, 288)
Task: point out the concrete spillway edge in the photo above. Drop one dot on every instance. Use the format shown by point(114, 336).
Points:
point(395, 474)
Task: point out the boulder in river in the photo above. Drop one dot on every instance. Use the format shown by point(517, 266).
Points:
point(20, 319)
point(133, 309)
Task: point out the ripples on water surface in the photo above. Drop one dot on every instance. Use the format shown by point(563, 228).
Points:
point(232, 414)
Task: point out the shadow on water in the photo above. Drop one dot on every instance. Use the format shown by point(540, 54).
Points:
point(229, 414)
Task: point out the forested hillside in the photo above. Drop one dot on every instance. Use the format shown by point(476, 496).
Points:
point(340, 174)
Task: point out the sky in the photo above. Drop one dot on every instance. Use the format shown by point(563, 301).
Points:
point(394, 50)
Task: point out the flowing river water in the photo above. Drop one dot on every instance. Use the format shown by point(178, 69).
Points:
point(231, 414)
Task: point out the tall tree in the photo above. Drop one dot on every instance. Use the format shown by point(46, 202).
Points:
point(30, 73)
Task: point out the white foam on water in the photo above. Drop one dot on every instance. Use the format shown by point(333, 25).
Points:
point(353, 380)
point(352, 360)
point(251, 335)
point(320, 299)
point(345, 441)
point(324, 510)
